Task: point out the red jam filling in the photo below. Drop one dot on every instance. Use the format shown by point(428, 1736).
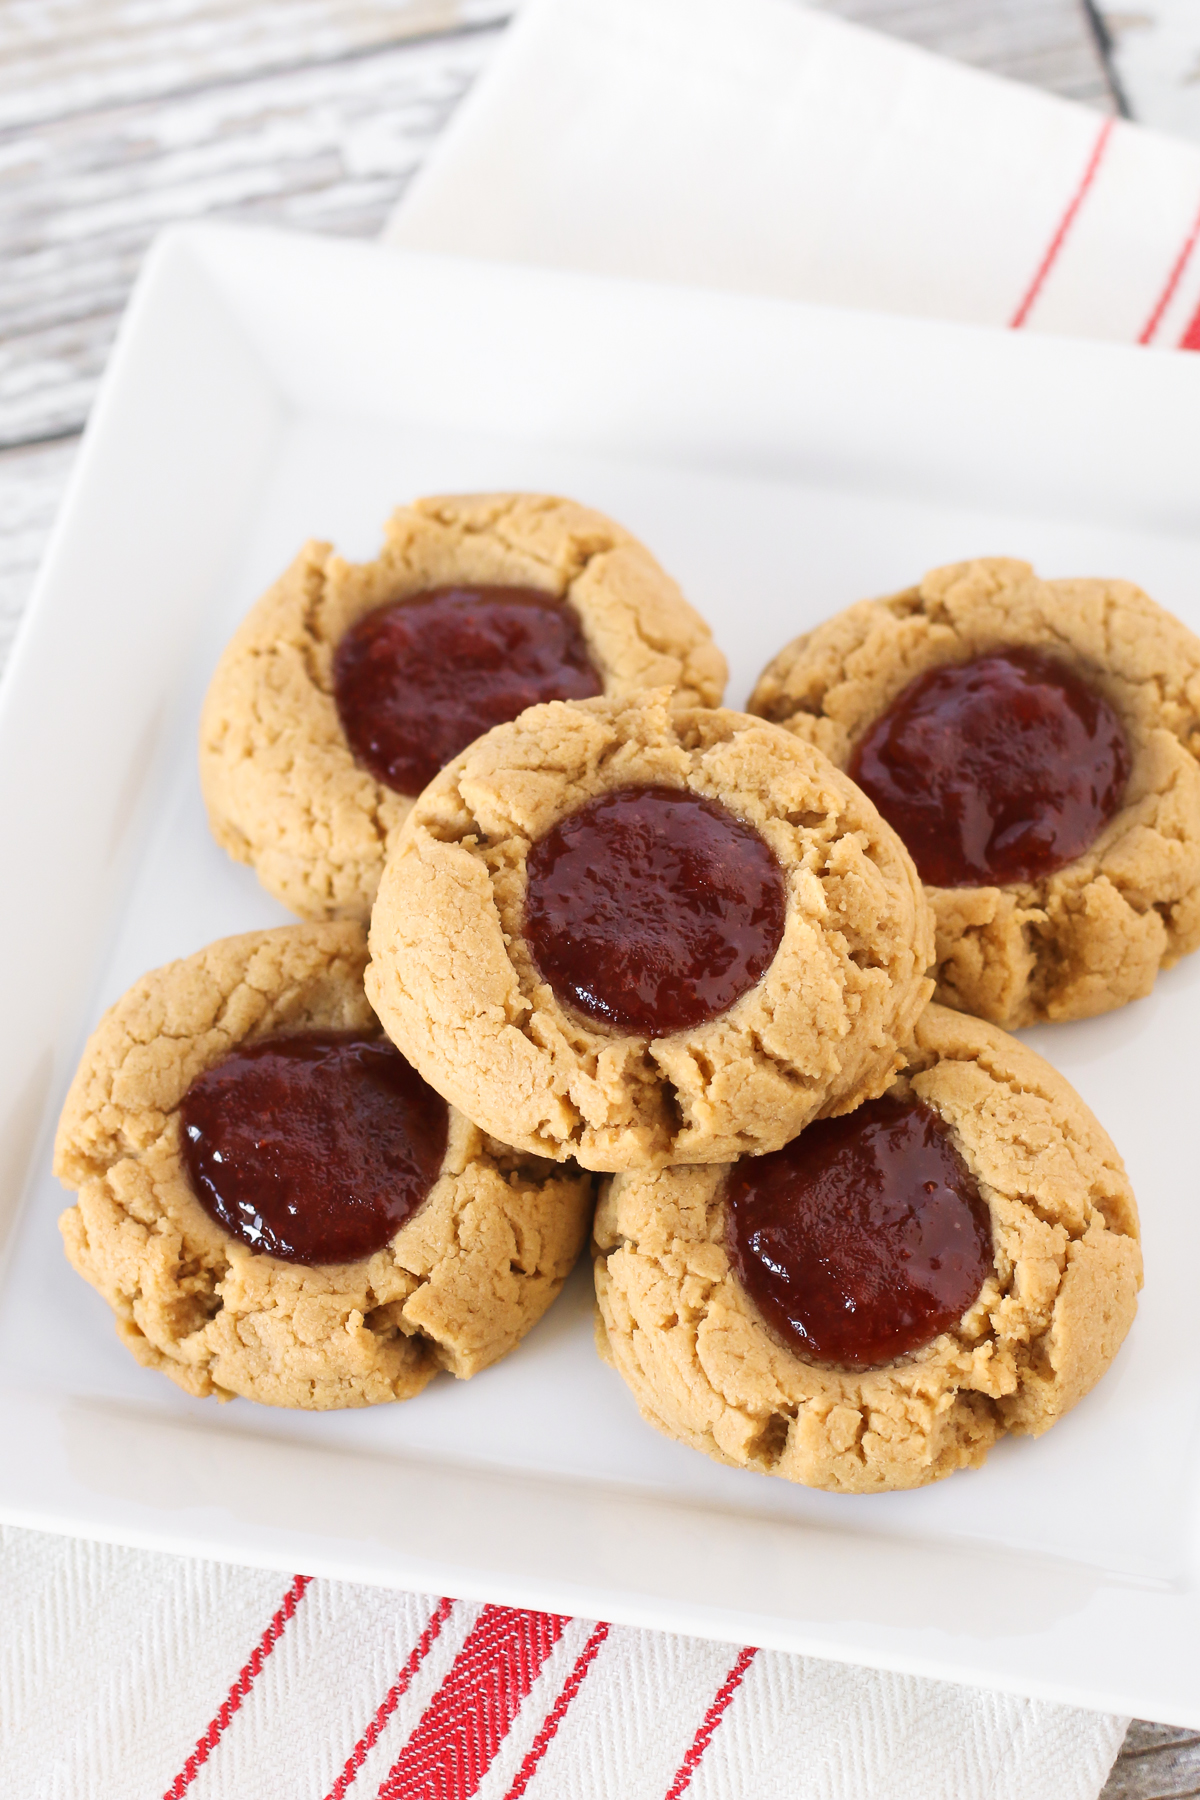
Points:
point(999, 770)
point(417, 681)
point(652, 909)
point(863, 1238)
point(315, 1148)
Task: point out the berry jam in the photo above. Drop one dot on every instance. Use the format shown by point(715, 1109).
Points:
point(999, 770)
point(863, 1238)
point(417, 681)
point(652, 909)
point(315, 1148)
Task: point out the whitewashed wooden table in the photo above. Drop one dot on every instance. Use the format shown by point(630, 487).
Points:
point(120, 116)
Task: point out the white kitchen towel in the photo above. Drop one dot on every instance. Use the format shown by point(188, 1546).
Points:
point(761, 146)
point(128, 1676)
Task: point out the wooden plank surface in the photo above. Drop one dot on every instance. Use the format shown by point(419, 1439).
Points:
point(122, 117)
point(1157, 1762)
point(1156, 53)
point(1047, 42)
point(118, 116)
point(324, 146)
point(32, 480)
point(59, 58)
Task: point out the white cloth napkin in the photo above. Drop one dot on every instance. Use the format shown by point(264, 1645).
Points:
point(761, 146)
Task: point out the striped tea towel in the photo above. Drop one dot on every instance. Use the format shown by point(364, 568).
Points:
point(126, 1675)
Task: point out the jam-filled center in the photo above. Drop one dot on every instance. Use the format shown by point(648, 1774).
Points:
point(863, 1238)
point(417, 681)
point(316, 1147)
point(653, 909)
point(998, 770)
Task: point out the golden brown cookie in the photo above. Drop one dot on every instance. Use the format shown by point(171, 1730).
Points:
point(458, 1285)
point(283, 790)
point(1094, 934)
point(454, 982)
point(704, 1366)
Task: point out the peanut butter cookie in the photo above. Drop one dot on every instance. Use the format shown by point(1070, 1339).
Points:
point(1025, 1329)
point(199, 1113)
point(1061, 893)
point(635, 934)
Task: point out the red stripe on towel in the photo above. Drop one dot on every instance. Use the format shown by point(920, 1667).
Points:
point(1064, 225)
point(1173, 279)
point(468, 1718)
point(247, 1676)
point(555, 1717)
point(1191, 337)
point(391, 1699)
point(709, 1723)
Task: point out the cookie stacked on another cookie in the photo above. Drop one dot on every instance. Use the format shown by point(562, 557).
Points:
point(637, 933)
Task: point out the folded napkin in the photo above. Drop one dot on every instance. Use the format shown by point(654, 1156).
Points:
point(757, 145)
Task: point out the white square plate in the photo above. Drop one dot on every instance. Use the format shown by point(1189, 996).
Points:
point(781, 461)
